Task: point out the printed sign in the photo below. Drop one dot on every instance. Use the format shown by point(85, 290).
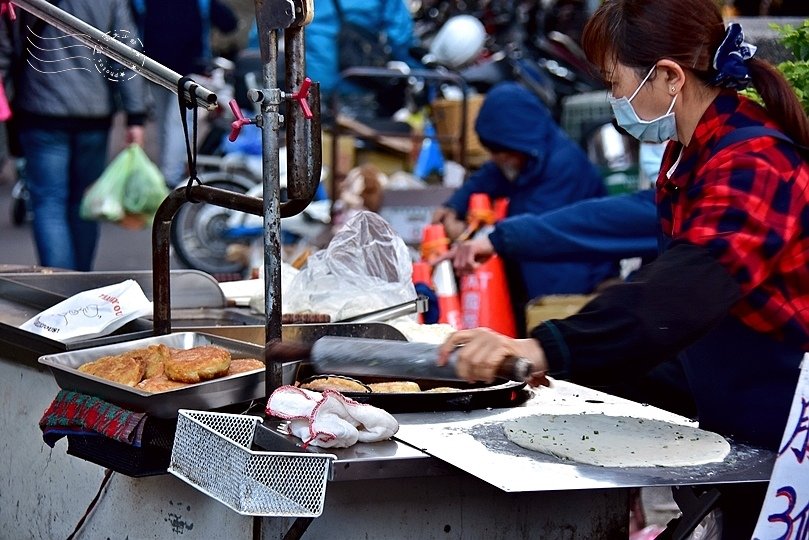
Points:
point(785, 514)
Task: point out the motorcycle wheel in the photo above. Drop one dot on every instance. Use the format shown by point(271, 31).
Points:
point(197, 232)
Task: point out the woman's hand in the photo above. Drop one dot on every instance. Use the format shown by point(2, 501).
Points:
point(481, 351)
point(467, 256)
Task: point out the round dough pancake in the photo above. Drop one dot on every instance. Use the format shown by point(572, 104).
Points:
point(122, 369)
point(335, 382)
point(243, 365)
point(197, 364)
point(395, 387)
point(617, 441)
point(159, 383)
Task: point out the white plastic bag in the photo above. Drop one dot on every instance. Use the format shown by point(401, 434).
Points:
point(365, 267)
point(90, 314)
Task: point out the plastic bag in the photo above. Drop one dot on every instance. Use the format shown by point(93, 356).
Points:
point(365, 267)
point(90, 314)
point(128, 192)
point(710, 528)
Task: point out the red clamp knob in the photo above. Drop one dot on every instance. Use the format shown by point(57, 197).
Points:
point(237, 125)
point(301, 95)
point(6, 7)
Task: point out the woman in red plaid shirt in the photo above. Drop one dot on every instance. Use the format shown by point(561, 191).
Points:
point(728, 298)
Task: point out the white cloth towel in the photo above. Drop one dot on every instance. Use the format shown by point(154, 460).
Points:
point(330, 420)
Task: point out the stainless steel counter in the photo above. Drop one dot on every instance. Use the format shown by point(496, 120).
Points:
point(439, 443)
point(475, 443)
point(449, 474)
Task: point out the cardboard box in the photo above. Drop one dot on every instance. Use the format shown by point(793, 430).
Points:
point(446, 116)
point(387, 162)
point(408, 211)
point(346, 152)
point(556, 306)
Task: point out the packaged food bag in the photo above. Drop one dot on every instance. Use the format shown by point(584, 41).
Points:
point(128, 192)
point(91, 314)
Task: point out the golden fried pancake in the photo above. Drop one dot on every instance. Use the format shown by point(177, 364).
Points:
point(443, 389)
point(242, 365)
point(395, 387)
point(154, 356)
point(122, 369)
point(159, 383)
point(197, 364)
point(340, 384)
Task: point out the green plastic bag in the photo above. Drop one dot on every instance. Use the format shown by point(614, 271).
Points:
point(128, 192)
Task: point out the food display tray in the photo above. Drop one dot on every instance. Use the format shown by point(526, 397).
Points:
point(213, 394)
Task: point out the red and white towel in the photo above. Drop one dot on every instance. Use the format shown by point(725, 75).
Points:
point(330, 420)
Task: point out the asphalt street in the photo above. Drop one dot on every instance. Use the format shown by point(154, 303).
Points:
point(118, 249)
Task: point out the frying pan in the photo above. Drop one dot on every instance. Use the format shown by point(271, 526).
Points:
point(380, 360)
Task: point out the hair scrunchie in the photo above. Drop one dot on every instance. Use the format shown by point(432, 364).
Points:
point(730, 59)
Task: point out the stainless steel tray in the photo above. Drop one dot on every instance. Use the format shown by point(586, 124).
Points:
point(206, 395)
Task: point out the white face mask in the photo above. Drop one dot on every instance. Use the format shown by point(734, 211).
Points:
point(658, 130)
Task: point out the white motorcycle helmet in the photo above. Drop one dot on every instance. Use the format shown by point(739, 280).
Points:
point(458, 42)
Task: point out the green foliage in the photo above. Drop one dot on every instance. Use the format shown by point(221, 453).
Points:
point(796, 72)
point(796, 40)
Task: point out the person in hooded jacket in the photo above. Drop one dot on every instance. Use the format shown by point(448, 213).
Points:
point(539, 169)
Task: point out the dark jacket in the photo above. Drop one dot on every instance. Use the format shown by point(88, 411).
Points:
point(61, 83)
point(693, 301)
point(389, 16)
point(176, 33)
point(594, 230)
point(558, 173)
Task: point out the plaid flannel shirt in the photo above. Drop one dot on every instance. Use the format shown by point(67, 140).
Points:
point(748, 204)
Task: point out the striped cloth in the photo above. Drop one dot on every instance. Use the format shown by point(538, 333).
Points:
point(73, 413)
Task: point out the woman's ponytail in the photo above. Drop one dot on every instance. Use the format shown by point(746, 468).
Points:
point(780, 100)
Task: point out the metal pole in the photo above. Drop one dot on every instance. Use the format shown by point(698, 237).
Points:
point(114, 49)
point(271, 121)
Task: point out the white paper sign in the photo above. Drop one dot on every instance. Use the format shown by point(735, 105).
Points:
point(785, 514)
point(90, 314)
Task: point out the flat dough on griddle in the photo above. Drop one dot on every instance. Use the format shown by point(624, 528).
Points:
point(617, 441)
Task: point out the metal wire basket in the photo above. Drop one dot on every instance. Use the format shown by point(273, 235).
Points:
point(212, 453)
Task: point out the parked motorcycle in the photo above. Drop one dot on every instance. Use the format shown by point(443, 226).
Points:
point(519, 44)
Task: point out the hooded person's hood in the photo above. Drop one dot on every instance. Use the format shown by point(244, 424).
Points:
point(513, 118)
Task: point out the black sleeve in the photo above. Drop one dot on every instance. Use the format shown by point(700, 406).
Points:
point(633, 326)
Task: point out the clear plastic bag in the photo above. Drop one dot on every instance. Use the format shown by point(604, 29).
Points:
point(710, 528)
point(365, 267)
point(128, 192)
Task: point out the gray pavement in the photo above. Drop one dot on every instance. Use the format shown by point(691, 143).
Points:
point(118, 249)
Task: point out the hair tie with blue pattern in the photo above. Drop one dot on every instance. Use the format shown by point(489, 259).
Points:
point(730, 59)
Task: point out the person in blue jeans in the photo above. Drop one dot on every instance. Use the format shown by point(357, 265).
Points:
point(65, 97)
point(177, 34)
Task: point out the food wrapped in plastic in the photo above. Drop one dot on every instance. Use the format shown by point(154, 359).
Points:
point(366, 266)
